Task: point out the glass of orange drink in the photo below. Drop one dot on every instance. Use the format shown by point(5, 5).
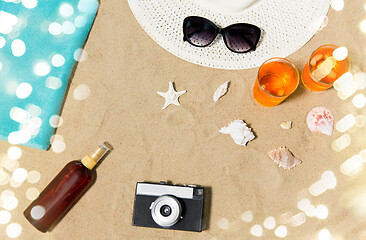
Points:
point(324, 68)
point(277, 79)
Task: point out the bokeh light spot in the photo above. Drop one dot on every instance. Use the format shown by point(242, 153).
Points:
point(58, 60)
point(337, 5)
point(33, 110)
point(66, 10)
point(298, 219)
point(7, 22)
point(56, 121)
point(310, 211)
point(343, 82)
point(29, 3)
point(34, 176)
point(269, 223)
point(346, 123)
point(14, 183)
point(80, 21)
point(223, 223)
point(56, 137)
point(7, 193)
point(4, 177)
point(281, 232)
point(24, 90)
point(9, 164)
point(317, 188)
point(58, 146)
point(82, 92)
point(352, 166)
point(68, 27)
point(20, 175)
point(37, 212)
point(340, 53)
point(256, 230)
point(360, 121)
point(329, 180)
point(32, 193)
point(10, 202)
point(53, 83)
point(42, 69)
point(19, 137)
point(88, 6)
point(19, 115)
point(18, 48)
point(359, 101)
point(324, 234)
point(303, 204)
point(13, 230)
point(14, 153)
point(80, 55)
point(247, 216)
point(363, 26)
point(5, 217)
point(32, 126)
point(2, 42)
point(360, 80)
point(341, 143)
point(55, 28)
point(321, 212)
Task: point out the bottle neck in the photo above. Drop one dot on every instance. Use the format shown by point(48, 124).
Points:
point(89, 161)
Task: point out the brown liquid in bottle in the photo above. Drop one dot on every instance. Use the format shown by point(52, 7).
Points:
point(63, 192)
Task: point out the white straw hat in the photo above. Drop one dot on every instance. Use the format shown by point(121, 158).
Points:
point(286, 26)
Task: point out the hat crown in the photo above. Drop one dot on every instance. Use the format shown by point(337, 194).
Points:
point(226, 6)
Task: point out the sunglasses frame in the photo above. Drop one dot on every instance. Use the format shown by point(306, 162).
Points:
point(221, 31)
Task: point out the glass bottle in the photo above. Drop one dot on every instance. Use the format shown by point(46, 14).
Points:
point(64, 191)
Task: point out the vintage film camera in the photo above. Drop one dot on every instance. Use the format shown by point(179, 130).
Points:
point(168, 206)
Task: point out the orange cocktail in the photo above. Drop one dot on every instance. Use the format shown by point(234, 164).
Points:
point(323, 69)
point(277, 78)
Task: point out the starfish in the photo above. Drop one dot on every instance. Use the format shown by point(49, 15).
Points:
point(171, 96)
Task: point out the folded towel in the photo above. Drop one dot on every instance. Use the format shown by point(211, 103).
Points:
point(38, 41)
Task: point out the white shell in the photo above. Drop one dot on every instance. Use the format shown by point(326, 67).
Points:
point(284, 158)
point(239, 131)
point(220, 91)
point(286, 125)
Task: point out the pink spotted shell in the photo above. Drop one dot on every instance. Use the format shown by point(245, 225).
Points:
point(320, 120)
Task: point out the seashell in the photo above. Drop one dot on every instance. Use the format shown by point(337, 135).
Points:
point(220, 91)
point(286, 125)
point(321, 120)
point(284, 158)
point(239, 131)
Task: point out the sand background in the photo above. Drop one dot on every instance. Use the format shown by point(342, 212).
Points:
point(125, 69)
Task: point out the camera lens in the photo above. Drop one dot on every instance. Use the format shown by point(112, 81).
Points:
point(165, 211)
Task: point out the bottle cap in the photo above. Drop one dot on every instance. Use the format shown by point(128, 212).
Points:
point(89, 161)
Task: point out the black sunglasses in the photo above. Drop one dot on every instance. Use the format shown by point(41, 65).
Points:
point(238, 38)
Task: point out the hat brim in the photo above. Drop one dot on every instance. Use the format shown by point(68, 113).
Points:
point(286, 26)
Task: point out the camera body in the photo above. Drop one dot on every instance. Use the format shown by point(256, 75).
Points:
point(168, 206)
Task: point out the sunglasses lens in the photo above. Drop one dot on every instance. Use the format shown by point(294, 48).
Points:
point(241, 37)
point(199, 32)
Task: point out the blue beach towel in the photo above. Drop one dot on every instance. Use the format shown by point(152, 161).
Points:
point(39, 44)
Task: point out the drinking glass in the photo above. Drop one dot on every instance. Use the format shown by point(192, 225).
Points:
point(323, 69)
point(277, 79)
